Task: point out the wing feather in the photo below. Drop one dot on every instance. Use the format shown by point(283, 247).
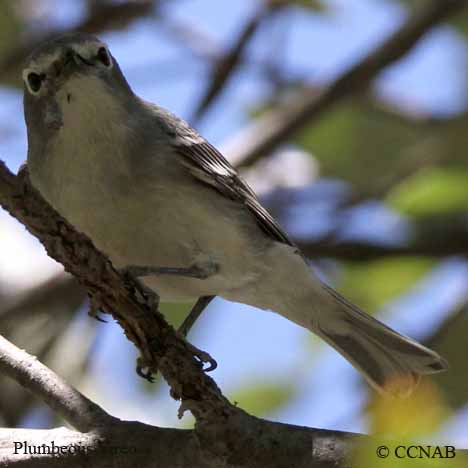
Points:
point(208, 165)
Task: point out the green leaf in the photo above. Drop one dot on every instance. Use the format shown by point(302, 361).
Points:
point(262, 398)
point(372, 284)
point(431, 191)
point(363, 146)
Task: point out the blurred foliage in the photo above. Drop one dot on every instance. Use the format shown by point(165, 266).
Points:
point(361, 146)
point(372, 149)
point(450, 341)
point(417, 416)
point(409, 160)
point(375, 283)
point(263, 398)
point(431, 191)
point(404, 423)
point(416, 163)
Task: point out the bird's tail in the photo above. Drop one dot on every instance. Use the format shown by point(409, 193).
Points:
point(390, 362)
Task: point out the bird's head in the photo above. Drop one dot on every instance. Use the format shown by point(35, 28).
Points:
point(74, 73)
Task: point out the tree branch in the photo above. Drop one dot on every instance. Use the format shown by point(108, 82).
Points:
point(129, 444)
point(147, 446)
point(441, 236)
point(161, 348)
point(125, 444)
point(274, 128)
point(75, 408)
point(200, 44)
point(61, 293)
point(224, 65)
point(37, 318)
point(223, 436)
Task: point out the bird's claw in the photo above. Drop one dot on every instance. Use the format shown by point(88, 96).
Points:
point(144, 371)
point(95, 309)
point(203, 357)
point(147, 294)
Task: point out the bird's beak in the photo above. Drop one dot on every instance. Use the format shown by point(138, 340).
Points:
point(80, 60)
point(62, 65)
point(71, 62)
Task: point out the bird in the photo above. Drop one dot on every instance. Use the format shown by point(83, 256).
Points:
point(157, 197)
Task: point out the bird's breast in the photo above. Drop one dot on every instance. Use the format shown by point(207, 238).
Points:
point(141, 207)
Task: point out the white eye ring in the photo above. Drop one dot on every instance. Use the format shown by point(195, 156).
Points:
point(33, 81)
point(103, 56)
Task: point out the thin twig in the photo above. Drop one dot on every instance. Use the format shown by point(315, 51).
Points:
point(224, 66)
point(62, 293)
point(432, 237)
point(274, 128)
point(191, 37)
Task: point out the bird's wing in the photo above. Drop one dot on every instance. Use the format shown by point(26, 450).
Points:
point(210, 167)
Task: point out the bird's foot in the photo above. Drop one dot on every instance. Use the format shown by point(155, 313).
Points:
point(202, 356)
point(95, 308)
point(148, 295)
point(145, 371)
point(148, 372)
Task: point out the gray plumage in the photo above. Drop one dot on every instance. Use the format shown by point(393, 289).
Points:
point(149, 190)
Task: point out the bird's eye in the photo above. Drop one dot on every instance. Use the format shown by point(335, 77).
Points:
point(35, 82)
point(103, 56)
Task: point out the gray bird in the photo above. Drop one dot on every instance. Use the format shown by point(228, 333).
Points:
point(151, 192)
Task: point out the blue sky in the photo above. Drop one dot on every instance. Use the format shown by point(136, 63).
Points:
point(252, 345)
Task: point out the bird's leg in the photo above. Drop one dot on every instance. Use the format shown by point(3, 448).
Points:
point(197, 270)
point(200, 271)
point(152, 299)
point(150, 296)
point(193, 315)
point(144, 371)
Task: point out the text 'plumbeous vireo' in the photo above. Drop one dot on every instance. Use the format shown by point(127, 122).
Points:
point(150, 191)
